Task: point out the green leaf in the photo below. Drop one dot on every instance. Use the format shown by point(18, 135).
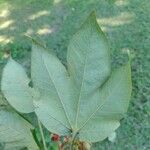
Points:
point(15, 87)
point(114, 99)
point(89, 66)
point(87, 101)
point(15, 131)
point(51, 80)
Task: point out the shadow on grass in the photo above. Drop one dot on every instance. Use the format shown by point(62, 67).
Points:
point(54, 20)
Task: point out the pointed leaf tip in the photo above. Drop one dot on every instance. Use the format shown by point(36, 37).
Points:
point(36, 41)
point(91, 18)
point(93, 14)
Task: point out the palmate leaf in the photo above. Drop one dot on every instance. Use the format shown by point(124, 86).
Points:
point(15, 87)
point(87, 100)
point(15, 132)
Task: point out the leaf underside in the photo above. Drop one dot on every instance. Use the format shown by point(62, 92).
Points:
point(15, 87)
point(87, 97)
point(15, 132)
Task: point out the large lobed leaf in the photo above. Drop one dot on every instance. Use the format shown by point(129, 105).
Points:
point(90, 101)
point(15, 132)
point(85, 100)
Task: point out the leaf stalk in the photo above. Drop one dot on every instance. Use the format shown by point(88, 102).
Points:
point(42, 135)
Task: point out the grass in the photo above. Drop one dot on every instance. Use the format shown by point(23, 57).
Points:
point(126, 24)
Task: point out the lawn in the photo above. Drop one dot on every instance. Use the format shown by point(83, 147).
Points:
point(127, 26)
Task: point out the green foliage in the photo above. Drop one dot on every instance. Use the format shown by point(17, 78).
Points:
point(64, 19)
point(15, 87)
point(15, 131)
point(67, 96)
point(85, 101)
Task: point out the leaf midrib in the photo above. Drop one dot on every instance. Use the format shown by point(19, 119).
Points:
point(50, 77)
point(79, 97)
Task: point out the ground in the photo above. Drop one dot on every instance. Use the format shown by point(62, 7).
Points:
point(127, 26)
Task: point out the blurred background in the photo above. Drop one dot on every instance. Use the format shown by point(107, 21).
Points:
point(126, 24)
